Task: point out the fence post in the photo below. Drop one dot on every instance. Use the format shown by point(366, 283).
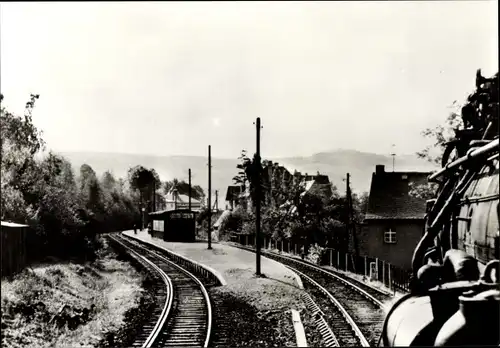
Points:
point(246, 237)
point(389, 276)
point(281, 245)
point(365, 266)
point(383, 272)
point(331, 252)
point(338, 259)
point(376, 267)
point(346, 262)
point(295, 244)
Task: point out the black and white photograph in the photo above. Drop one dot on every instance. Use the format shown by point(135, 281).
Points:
point(249, 174)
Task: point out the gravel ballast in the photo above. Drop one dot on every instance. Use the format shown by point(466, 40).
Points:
point(249, 310)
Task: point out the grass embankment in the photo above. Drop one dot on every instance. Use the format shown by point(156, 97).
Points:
point(73, 305)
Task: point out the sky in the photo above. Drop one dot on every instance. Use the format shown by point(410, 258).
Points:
point(170, 78)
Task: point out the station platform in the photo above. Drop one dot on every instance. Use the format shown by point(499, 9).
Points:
point(233, 264)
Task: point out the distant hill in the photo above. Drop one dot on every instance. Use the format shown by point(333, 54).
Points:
point(360, 165)
point(335, 164)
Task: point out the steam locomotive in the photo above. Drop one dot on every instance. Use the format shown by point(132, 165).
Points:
point(455, 290)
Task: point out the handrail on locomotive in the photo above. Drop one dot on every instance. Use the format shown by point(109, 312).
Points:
point(455, 288)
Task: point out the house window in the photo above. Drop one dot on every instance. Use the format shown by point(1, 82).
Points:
point(390, 236)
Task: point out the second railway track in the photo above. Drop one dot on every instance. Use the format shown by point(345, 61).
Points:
point(184, 314)
point(346, 302)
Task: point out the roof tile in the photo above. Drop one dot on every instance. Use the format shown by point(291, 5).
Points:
point(389, 197)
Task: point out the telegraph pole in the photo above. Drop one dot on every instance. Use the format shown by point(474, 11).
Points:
point(189, 189)
point(257, 170)
point(209, 198)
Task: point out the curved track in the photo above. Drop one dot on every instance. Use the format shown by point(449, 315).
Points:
point(343, 329)
point(184, 314)
point(354, 311)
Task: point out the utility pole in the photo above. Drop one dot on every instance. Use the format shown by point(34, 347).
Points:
point(189, 189)
point(257, 170)
point(209, 198)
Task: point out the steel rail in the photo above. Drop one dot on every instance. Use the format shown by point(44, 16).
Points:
point(195, 279)
point(168, 303)
point(321, 269)
point(337, 304)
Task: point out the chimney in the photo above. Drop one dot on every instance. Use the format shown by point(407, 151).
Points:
point(379, 169)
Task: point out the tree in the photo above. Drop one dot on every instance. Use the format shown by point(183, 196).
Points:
point(108, 181)
point(20, 140)
point(146, 181)
point(241, 178)
point(182, 188)
point(19, 134)
point(475, 119)
point(423, 191)
point(169, 185)
point(441, 135)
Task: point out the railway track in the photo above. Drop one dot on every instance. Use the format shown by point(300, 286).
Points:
point(183, 316)
point(354, 311)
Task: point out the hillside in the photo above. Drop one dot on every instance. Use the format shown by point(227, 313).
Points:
point(360, 165)
point(334, 163)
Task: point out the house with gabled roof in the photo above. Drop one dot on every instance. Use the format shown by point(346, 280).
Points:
point(394, 220)
point(174, 200)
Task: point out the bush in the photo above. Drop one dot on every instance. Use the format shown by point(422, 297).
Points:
point(315, 253)
point(234, 221)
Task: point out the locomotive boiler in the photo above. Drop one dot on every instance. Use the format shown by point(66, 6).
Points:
point(455, 292)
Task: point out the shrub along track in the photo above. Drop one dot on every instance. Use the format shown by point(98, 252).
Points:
point(184, 316)
point(341, 300)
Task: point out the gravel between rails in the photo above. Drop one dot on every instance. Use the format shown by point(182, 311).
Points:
point(262, 317)
point(368, 316)
point(340, 327)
